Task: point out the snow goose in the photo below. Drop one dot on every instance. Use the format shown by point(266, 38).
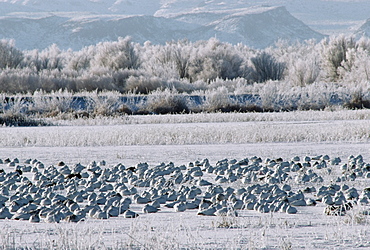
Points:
point(328, 200)
point(141, 200)
point(34, 218)
point(98, 214)
point(52, 217)
point(310, 202)
point(162, 199)
point(207, 212)
point(78, 198)
point(11, 164)
point(5, 213)
point(24, 213)
point(339, 198)
point(250, 205)
point(4, 191)
point(106, 187)
point(263, 208)
point(203, 182)
point(21, 216)
point(74, 218)
point(130, 214)
point(238, 204)
point(113, 211)
point(123, 207)
point(222, 211)
point(45, 202)
point(364, 201)
point(180, 207)
point(155, 204)
point(92, 209)
point(78, 168)
point(171, 204)
point(194, 204)
point(351, 194)
point(44, 211)
point(101, 199)
point(291, 210)
point(26, 169)
point(74, 207)
point(149, 209)
point(191, 194)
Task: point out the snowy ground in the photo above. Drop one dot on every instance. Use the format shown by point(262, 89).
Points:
point(309, 228)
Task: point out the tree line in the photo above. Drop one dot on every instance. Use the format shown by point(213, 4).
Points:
point(184, 66)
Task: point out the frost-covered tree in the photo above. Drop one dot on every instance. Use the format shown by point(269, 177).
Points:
point(80, 60)
point(10, 57)
point(170, 61)
point(51, 58)
point(116, 55)
point(180, 54)
point(303, 61)
point(357, 67)
point(336, 56)
point(213, 59)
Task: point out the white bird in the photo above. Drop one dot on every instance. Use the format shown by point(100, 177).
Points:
point(149, 209)
point(180, 207)
point(102, 215)
point(156, 204)
point(207, 212)
point(291, 210)
point(5, 214)
point(35, 218)
point(52, 217)
point(73, 218)
point(130, 214)
point(21, 216)
point(194, 204)
point(141, 200)
point(92, 210)
point(45, 202)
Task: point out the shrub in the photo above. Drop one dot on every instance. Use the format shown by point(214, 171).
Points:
point(143, 84)
point(358, 101)
point(265, 67)
point(164, 102)
point(20, 120)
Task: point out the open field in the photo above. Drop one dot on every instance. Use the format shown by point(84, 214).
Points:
point(188, 138)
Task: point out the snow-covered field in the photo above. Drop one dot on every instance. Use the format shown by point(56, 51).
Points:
point(170, 138)
point(220, 180)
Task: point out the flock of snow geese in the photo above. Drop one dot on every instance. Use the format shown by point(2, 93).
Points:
point(33, 192)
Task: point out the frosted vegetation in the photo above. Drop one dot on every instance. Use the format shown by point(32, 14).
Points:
point(48, 85)
point(284, 77)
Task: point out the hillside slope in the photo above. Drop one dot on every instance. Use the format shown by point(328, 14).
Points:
point(257, 27)
point(364, 30)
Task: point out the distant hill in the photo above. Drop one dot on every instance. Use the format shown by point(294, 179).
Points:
point(257, 27)
point(364, 30)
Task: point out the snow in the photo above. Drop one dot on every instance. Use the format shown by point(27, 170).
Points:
point(182, 154)
point(309, 228)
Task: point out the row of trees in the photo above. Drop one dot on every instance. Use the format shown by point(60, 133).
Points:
point(126, 66)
